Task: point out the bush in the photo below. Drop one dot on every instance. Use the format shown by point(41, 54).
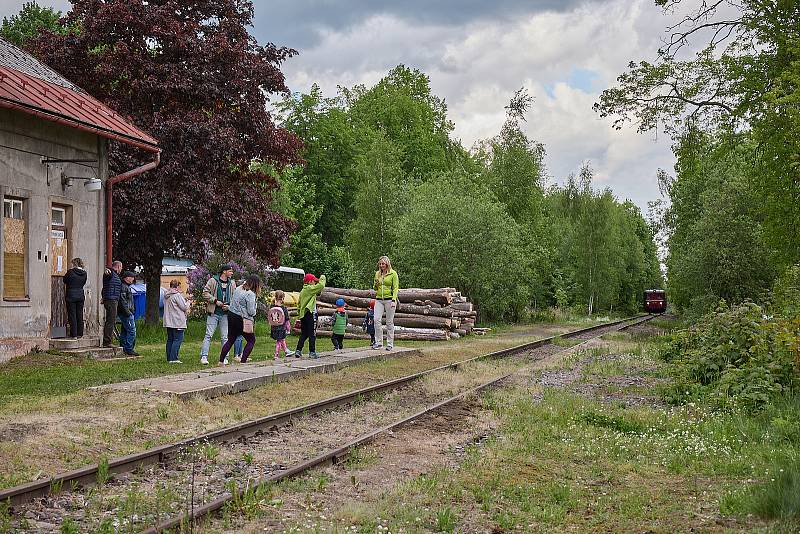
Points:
point(736, 357)
point(456, 234)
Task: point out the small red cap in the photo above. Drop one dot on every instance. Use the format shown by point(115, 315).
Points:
point(371, 304)
point(307, 279)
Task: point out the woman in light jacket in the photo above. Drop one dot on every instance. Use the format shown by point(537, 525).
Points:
point(387, 284)
point(175, 308)
point(243, 310)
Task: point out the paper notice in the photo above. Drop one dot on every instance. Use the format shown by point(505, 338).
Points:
point(60, 264)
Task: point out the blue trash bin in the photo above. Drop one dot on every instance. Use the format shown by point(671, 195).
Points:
point(139, 299)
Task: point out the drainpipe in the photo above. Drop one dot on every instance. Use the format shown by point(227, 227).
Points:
point(109, 199)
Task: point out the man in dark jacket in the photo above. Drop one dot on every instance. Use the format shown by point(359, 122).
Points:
point(112, 285)
point(126, 311)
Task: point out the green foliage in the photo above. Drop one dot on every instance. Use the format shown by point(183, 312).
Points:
point(735, 357)
point(307, 250)
point(446, 520)
point(402, 107)
point(382, 176)
point(735, 197)
point(455, 233)
point(786, 293)
point(30, 20)
point(380, 201)
point(331, 142)
point(780, 497)
point(605, 253)
point(714, 225)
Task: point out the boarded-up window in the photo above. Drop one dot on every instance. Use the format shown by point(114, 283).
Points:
point(14, 250)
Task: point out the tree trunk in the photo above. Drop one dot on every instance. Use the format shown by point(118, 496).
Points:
point(408, 296)
point(402, 333)
point(406, 320)
point(152, 277)
point(358, 302)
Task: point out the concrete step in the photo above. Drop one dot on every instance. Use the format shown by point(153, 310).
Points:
point(66, 343)
point(99, 353)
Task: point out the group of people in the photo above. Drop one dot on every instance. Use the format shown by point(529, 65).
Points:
point(231, 309)
point(117, 300)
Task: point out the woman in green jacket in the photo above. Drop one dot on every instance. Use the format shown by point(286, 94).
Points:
point(387, 284)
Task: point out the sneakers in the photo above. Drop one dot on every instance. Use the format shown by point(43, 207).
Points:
point(204, 360)
point(298, 354)
point(377, 346)
point(225, 361)
point(314, 356)
point(389, 347)
point(237, 359)
point(175, 361)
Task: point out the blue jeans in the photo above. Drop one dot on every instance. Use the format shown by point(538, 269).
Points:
point(127, 336)
point(237, 346)
point(212, 321)
point(174, 340)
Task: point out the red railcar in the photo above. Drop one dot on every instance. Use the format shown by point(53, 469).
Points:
point(655, 301)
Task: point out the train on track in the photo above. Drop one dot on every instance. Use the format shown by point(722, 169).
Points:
point(655, 301)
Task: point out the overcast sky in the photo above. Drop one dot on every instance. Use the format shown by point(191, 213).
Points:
point(477, 53)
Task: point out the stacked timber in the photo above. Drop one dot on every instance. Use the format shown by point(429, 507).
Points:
point(421, 314)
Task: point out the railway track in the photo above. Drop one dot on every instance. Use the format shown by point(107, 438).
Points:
point(408, 402)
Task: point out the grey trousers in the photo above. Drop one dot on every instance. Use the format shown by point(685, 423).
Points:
point(389, 306)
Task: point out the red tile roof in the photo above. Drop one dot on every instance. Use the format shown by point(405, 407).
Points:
point(32, 87)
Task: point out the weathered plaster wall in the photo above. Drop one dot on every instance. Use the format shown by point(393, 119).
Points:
point(24, 139)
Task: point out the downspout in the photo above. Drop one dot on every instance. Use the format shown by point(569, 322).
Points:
point(109, 199)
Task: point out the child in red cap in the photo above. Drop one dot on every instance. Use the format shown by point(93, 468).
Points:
point(307, 314)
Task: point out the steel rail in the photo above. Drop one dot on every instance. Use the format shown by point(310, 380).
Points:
point(87, 475)
point(331, 456)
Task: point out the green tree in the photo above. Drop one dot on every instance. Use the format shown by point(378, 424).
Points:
point(717, 247)
point(307, 249)
point(746, 76)
point(402, 107)
point(331, 144)
point(380, 200)
point(456, 233)
point(514, 168)
point(29, 21)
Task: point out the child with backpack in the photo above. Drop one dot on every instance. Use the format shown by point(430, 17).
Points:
point(339, 325)
point(369, 322)
point(278, 317)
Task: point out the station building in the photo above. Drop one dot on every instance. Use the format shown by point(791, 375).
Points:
point(55, 189)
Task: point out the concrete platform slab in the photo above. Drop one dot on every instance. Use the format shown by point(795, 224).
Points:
point(235, 378)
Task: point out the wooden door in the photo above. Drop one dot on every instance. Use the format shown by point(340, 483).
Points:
point(59, 258)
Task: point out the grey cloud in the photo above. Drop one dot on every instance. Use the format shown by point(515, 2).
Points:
point(302, 23)
point(12, 7)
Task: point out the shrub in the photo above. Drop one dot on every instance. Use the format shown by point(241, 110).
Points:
point(735, 356)
point(456, 234)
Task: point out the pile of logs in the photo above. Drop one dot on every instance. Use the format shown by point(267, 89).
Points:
point(421, 315)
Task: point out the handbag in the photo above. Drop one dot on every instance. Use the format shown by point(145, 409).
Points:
point(296, 327)
point(247, 326)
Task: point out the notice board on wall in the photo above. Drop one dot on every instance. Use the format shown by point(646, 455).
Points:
point(59, 253)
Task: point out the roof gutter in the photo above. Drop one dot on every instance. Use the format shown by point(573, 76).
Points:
point(110, 198)
point(79, 125)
